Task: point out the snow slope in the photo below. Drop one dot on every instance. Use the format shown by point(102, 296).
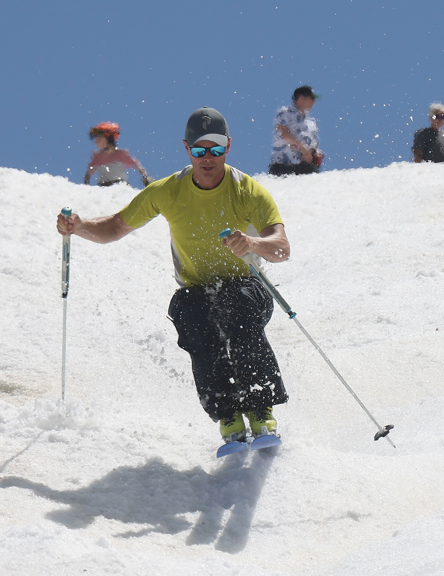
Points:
point(122, 477)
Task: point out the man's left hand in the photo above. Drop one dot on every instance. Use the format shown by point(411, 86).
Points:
point(239, 243)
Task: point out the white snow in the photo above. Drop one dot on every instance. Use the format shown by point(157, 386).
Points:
point(122, 477)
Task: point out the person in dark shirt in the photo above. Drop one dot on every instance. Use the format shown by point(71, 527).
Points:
point(428, 143)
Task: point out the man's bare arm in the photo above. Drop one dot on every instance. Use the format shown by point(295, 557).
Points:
point(100, 230)
point(273, 244)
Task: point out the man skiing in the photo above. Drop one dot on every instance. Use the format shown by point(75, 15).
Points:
point(219, 311)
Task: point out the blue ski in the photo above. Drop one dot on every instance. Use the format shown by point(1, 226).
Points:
point(266, 441)
point(231, 448)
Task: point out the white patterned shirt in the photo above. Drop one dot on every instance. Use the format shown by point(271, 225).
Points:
point(302, 127)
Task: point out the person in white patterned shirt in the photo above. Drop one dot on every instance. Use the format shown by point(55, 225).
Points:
point(295, 141)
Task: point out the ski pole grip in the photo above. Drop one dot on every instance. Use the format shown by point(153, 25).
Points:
point(66, 212)
point(247, 258)
point(66, 249)
point(225, 233)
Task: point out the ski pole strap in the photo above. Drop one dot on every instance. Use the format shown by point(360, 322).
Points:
point(255, 268)
point(66, 246)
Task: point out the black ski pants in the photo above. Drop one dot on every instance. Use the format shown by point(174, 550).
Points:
point(288, 169)
point(222, 328)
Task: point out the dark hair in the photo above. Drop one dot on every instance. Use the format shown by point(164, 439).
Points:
point(304, 91)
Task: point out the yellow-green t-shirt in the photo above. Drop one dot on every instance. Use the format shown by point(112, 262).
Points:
point(196, 217)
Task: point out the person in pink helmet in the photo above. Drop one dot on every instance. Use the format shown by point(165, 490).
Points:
point(110, 162)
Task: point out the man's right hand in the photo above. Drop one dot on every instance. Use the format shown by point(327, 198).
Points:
point(307, 155)
point(67, 226)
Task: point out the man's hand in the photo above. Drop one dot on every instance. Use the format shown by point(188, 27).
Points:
point(272, 244)
point(418, 155)
point(68, 226)
point(239, 243)
point(307, 155)
point(99, 230)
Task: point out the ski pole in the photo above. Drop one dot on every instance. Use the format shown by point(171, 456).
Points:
point(255, 268)
point(66, 250)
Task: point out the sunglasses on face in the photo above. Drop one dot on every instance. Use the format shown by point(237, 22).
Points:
point(438, 117)
point(200, 151)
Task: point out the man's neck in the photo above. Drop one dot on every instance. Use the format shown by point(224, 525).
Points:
point(300, 111)
point(207, 183)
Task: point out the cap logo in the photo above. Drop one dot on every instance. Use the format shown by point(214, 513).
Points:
point(206, 122)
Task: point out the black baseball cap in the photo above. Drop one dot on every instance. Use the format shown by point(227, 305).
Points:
point(207, 124)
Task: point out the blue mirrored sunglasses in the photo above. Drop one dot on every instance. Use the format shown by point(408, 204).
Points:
point(200, 151)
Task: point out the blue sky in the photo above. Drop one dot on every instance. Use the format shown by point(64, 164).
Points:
point(147, 65)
